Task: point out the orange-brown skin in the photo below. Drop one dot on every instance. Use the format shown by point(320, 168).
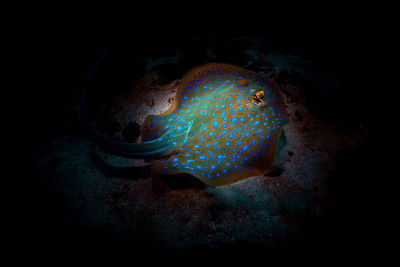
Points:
point(265, 98)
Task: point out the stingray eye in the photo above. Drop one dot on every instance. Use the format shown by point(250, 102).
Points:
point(258, 97)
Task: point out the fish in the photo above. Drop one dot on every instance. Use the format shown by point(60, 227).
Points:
point(223, 127)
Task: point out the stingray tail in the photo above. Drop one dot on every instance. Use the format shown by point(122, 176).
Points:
point(150, 149)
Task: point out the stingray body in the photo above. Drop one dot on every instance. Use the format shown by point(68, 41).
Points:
point(217, 129)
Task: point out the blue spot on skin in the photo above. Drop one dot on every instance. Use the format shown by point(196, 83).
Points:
point(210, 134)
point(223, 133)
point(234, 120)
point(215, 143)
point(201, 139)
point(251, 119)
point(202, 157)
point(227, 143)
point(151, 125)
point(242, 119)
point(197, 146)
point(199, 167)
point(215, 124)
point(187, 155)
point(206, 107)
point(245, 147)
point(207, 145)
point(220, 156)
point(175, 159)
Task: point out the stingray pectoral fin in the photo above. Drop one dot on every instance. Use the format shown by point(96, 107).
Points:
point(153, 128)
point(156, 126)
point(156, 148)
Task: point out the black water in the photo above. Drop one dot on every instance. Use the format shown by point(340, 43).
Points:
point(336, 55)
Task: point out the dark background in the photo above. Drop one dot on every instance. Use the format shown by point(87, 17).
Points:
point(340, 43)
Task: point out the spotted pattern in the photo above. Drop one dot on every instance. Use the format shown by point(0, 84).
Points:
point(230, 138)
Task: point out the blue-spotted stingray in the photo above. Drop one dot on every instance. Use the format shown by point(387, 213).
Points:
point(222, 127)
